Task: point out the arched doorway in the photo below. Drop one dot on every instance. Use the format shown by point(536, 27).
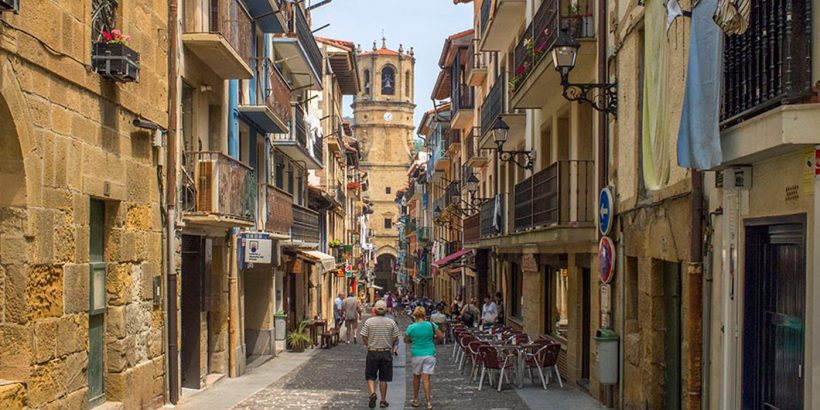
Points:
point(385, 264)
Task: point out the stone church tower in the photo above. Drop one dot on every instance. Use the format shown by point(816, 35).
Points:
point(383, 123)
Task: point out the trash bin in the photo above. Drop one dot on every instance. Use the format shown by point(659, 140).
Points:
point(280, 324)
point(607, 342)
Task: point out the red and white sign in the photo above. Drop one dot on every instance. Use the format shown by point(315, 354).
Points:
point(817, 161)
point(606, 259)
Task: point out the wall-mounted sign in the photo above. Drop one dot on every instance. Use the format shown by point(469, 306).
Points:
point(258, 247)
point(606, 211)
point(606, 259)
point(340, 273)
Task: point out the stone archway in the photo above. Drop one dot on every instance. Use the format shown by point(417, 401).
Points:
point(20, 174)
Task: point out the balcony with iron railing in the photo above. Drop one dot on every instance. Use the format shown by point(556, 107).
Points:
point(220, 33)
point(492, 216)
point(440, 160)
point(452, 142)
point(299, 51)
point(559, 196)
point(452, 195)
point(270, 15)
point(462, 107)
point(300, 144)
point(476, 64)
point(340, 195)
point(533, 80)
point(218, 190)
point(279, 211)
point(476, 157)
point(305, 225)
point(497, 105)
point(472, 229)
point(452, 247)
point(498, 17)
point(267, 106)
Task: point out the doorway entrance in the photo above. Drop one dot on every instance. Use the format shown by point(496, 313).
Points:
point(774, 313)
point(672, 335)
point(193, 266)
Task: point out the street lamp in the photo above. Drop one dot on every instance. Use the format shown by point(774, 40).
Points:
point(500, 131)
point(437, 212)
point(564, 55)
point(472, 187)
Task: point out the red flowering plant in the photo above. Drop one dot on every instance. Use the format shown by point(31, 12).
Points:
point(353, 185)
point(115, 37)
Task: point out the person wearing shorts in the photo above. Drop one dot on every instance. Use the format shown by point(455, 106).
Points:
point(422, 335)
point(379, 333)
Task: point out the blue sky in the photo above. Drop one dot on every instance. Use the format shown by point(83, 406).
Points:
point(423, 24)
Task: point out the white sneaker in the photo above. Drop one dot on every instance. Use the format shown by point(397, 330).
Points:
point(348, 342)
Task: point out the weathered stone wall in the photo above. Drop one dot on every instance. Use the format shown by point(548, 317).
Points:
point(76, 142)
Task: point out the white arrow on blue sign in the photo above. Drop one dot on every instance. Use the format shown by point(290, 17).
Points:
point(606, 211)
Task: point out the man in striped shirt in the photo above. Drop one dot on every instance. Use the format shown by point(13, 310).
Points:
point(379, 334)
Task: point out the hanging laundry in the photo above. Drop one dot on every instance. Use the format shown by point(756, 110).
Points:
point(699, 133)
point(732, 16)
point(673, 11)
point(656, 156)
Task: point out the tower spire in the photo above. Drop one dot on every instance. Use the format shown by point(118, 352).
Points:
point(384, 40)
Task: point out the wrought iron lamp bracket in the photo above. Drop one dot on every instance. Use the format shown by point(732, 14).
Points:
point(523, 159)
point(582, 93)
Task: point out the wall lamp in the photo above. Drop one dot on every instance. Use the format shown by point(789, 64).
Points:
point(564, 55)
point(472, 186)
point(500, 131)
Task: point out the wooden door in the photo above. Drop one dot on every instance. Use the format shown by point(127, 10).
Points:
point(586, 323)
point(672, 335)
point(774, 316)
point(190, 308)
point(96, 302)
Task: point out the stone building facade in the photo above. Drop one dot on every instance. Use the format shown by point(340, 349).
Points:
point(80, 209)
point(383, 123)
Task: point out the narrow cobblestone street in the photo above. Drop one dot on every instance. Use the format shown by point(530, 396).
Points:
point(333, 379)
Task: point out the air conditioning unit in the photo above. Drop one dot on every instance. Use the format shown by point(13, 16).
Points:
point(12, 5)
point(736, 177)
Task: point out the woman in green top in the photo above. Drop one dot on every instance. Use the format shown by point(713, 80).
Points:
point(422, 335)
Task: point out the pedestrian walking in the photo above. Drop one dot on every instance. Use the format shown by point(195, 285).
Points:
point(352, 310)
point(338, 313)
point(379, 333)
point(391, 304)
point(422, 335)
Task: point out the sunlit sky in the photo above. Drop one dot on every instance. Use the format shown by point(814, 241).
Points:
point(422, 24)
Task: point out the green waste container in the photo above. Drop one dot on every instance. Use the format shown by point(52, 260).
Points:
point(280, 324)
point(607, 343)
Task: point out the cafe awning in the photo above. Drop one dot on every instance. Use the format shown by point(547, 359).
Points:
point(453, 257)
point(325, 262)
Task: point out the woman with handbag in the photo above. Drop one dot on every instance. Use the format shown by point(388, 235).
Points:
point(422, 335)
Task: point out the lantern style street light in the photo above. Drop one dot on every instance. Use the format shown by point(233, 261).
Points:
point(500, 131)
point(564, 56)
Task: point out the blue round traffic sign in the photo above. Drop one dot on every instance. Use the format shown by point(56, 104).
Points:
point(606, 211)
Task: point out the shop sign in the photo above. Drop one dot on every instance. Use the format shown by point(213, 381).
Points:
point(606, 259)
point(258, 248)
point(340, 273)
point(529, 263)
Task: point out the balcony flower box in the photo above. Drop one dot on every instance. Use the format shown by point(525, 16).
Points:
point(116, 61)
point(353, 185)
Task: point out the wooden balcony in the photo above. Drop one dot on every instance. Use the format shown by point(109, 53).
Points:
point(279, 211)
point(560, 194)
point(490, 227)
point(300, 144)
point(476, 65)
point(220, 34)
point(534, 80)
point(220, 191)
point(299, 51)
point(268, 106)
point(462, 107)
point(305, 226)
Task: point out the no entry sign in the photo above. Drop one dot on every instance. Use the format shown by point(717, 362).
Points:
point(606, 259)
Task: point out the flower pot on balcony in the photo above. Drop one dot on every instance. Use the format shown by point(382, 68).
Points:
point(116, 61)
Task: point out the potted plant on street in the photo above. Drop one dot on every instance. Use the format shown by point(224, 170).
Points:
point(299, 338)
point(113, 59)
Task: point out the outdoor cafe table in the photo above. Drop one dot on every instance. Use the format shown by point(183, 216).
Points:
point(518, 350)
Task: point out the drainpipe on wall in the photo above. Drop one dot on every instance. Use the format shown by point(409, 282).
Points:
point(694, 321)
point(233, 311)
point(172, 370)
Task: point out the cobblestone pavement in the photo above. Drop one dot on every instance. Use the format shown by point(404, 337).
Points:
point(334, 379)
